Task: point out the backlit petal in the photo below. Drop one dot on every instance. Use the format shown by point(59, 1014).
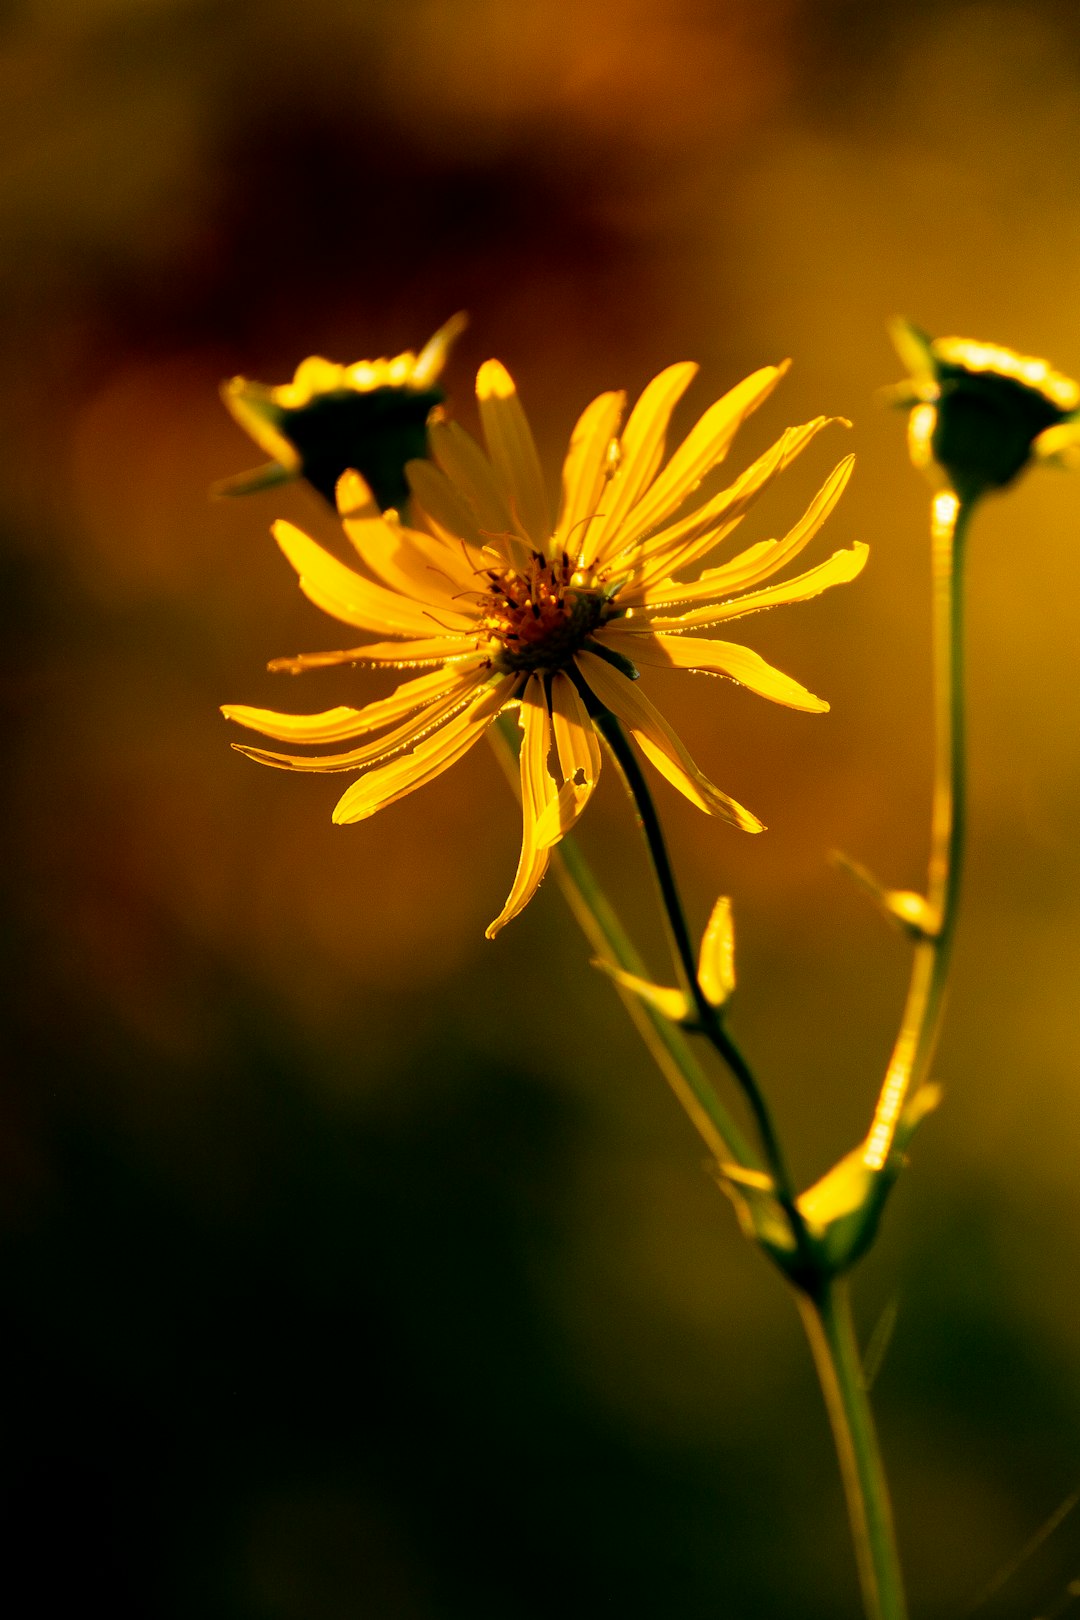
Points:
point(682, 544)
point(513, 451)
point(577, 748)
point(586, 470)
point(757, 562)
point(838, 569)
point(659, 743)
point(706, 445)
point(468, 469)
point(413, 564)
point(391, 742)
point(335, 725)
point(387, 783)
point(340, 591)
point(715, 658)
point(383, 654)
point(444, 510)
point(538, 790)
point(641, 450)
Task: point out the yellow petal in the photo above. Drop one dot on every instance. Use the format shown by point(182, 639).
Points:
point(659, 743)
point(340, 591)
point(716, 961)
point(391, 742)
point(414, 565)
point(387, 783)
point(513, 452)
point(706, 445)
point(469, 471)
point(241, 399)
point(537, 792)
point(641, 450)
point(429, 363)
point(728, 658)
point(586, 469)
point(839, 569)
point(334, 725)
point(443, 509)
point(694, 536)
point(386, 654)
point(578, 751)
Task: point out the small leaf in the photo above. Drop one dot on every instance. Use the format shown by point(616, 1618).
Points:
point(666, 999)
point(760, 1215)
point(911, 910)
point(250, 483)
point(716, 963)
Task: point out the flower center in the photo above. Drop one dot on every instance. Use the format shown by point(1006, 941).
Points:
point(540, 615)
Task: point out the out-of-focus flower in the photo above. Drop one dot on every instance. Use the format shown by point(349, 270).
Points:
point(981, 413)
point(371, 416)
point(504, 602)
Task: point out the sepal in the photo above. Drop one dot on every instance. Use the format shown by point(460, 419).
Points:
point(843, 1210)
point(671, 1003)
point(905, 907)
point(716, 960)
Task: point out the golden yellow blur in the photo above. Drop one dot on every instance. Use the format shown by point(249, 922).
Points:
point(359, 1266)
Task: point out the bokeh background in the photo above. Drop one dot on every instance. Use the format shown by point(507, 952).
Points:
point(354, 1266)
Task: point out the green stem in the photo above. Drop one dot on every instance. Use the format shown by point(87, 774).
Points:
point(708, 1016)
point(827, 1318)
point(666, 1042)
point(920, 1024)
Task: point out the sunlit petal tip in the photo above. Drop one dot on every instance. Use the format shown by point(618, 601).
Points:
point(914, 348)
point(433, 356)
point(353, 496)
point(493, 381)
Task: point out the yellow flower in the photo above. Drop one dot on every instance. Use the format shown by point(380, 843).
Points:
point(500, 601)
point(371, 415)
point(981, 412)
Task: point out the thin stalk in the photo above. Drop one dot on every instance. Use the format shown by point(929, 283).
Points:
point(827, 1318)
point(707, 1015)
point(920, 1024)
point(666, 1042)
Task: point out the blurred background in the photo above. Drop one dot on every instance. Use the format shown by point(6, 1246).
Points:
point(353, 1266)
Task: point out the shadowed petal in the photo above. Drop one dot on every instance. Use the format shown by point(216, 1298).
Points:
point(513, 451)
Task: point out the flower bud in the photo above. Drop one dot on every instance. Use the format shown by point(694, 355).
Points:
point(371, 416)
point(980, 412)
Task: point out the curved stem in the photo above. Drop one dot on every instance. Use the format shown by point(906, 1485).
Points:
point(827, 1318)
point(920, 1024)
point(708, 1016)
point(666, 1041)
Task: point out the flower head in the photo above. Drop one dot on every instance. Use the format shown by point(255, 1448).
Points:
point(497, 600)
point(371, 416)
point(981, 413)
